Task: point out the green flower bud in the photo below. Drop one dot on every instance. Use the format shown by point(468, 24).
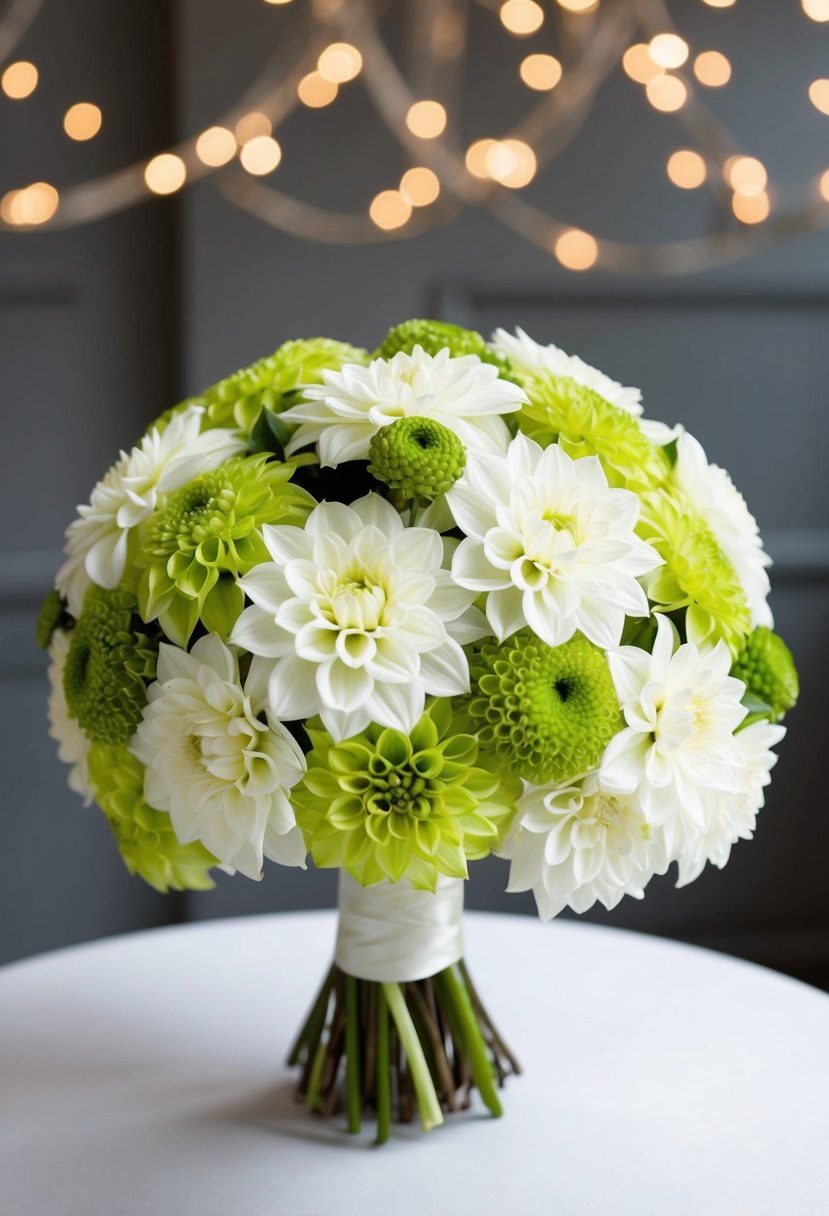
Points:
point(433, 336)
point(49, 617)
point(145, 837)
point(108, 667)
point(549, 711)
point(767, 669)
point(417, 456)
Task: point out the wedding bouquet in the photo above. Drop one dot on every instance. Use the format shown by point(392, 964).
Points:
point(400, 611)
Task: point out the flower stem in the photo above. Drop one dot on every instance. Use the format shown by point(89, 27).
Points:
point(382, 1066)
point(314, 1022)
point(427, 1100)
point(473, 1040)
point(354, 1101)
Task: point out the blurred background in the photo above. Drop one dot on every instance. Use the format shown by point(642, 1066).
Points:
point(712, 295)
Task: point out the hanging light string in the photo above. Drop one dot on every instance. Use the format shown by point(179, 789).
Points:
point(421, 112)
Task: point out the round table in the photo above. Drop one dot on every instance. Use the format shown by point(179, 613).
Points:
point(145, 1076)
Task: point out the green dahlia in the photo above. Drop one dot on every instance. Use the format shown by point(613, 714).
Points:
point(549, 711)
point(389, 806)
point(108, 667)
point(50, 616)
point(419, 457)
point(144, 836)
point(206, 536)
point(239, 399)
point(766, 667)
point(584, 424)
point(697, 574)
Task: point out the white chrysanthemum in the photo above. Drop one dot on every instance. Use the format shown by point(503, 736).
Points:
point(73, 745)
point(342, 414)
point(733, 817)
point(551, 543)
point(715, 498)
point(96, 542)
point(359, 617)
point(579, 843)
point(528, 356)
point(221, 773)
point(677, 750)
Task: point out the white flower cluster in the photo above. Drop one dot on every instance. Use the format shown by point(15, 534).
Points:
point(365, 610)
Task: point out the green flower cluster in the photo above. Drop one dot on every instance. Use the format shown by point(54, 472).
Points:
point(434, 336)
point(697, 574)
point(144, 836)
point(548, 711)
point(418, 457)
point(388, 806)
point(108, 667)
point(766, 667)
point(206, 536)
point(584, 424)
point(239, 399)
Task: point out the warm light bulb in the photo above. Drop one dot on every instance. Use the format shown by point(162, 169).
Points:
point(82, 121)
point(819, 95)
point(666, 93)
point(389, 209)
point(719, 3)
point(340, 62)
point(476, 157)
point(511, 163)
point(19, 79)
point(668, 50)
point(576, 250)
point(823, 184)
point(686, 169)
point(751, 209)
point(216, 146)
point(315, 91)
point(251, 125)
point(165, 173)
point(540, 72)
point(426, 119)
point(420, 186)
point(579, 6)
point(746, 175)
point(711, 68)
point(34, 204)
point(638, 64)
point(818, 10)
point(521, 17)
point(260, 155)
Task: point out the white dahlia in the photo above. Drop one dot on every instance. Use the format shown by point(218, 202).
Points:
point(96, 542)
point(552, 545)
point(733, 816)
point(211, 762)
point(714, 497)
point(529, 357)
point(358, 617)
point(342, 414)
point(677, 750)
point(576, 844)
point(73, 745)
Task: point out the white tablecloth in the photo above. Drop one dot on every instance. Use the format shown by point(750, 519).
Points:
point(145, 1076)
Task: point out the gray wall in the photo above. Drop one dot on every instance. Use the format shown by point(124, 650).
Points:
point(738, 354)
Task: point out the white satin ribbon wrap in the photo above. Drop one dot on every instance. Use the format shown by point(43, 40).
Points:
point(392, 933)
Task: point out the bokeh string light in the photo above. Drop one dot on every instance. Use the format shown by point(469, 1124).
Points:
point(340, 43)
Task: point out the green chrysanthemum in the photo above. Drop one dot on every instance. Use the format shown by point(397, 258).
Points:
point(51, 613)
point(108, 667)
point(206, 536)
point(390, 806)
point(549, 711)
point(766, 667)
point(584, 424)
point(239, 399)
point(697, 574)
point(144, 836)
point(419, 457)
point(433, 336)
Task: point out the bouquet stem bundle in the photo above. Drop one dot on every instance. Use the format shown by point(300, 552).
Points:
point(396, 1048)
